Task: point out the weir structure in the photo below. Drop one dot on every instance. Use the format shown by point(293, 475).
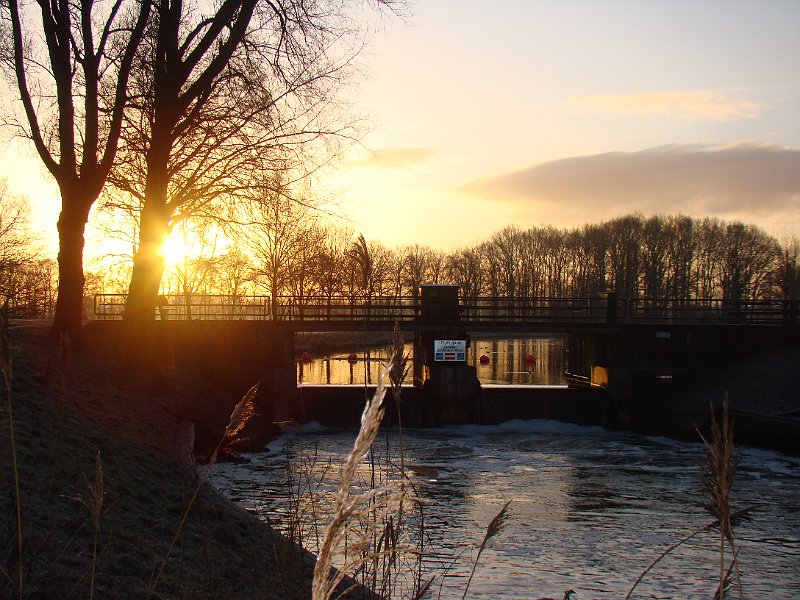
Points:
point(622, 354)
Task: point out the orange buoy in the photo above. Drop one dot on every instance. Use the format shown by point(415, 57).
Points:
point(484, 360)
point(307, 357)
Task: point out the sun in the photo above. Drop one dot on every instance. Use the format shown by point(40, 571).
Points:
point(173, 250)
point(186, 244)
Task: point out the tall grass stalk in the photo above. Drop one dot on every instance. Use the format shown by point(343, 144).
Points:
point(349, 508)
point(495, 526)
point(5, 367)
point(397, 375)
point(717, 475)
point(93, 501)
point(242, 413)
point(737, 516)
point(718, 471)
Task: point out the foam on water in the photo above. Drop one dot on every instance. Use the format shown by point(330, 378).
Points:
point(590, 508)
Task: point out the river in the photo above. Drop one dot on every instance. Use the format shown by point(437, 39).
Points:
point(590, 508)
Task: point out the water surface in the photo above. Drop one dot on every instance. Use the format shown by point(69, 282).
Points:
point(591, 509)
point(518, 361)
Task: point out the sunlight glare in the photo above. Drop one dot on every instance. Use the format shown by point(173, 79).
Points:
point(174, 249)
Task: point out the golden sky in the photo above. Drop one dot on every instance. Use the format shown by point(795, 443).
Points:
point(564, 112)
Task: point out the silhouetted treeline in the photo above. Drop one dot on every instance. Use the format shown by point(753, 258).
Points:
point(661, 257)
point(27, 277)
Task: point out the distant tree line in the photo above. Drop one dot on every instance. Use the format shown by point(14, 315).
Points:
point(28, 278)
point(288, 252)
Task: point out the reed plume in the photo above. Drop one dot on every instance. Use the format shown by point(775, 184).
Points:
point(348, 508)
point(242, 412)
point(718, 472)
point(495, 526)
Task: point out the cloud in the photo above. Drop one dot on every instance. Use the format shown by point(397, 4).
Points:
point(689, 105)
point(754, 182)
point(398, 158)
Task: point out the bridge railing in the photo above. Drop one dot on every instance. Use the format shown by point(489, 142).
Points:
point(560, 310)
point(323, 308)
point(472, 310)
point(181, 307)
point(712, 311)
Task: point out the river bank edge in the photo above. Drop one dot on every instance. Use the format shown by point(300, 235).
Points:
point(105, 480)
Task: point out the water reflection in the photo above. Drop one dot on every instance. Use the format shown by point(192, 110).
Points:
point(518, 361)
point(591, 508)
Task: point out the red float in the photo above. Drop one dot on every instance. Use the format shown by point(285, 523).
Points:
point(484, 360)
point(352, 358)
point(530, 359)
point(306, 357)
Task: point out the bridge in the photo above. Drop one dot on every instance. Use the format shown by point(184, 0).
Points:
point(622, 353)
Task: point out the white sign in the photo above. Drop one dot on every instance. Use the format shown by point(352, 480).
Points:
point(449, 350)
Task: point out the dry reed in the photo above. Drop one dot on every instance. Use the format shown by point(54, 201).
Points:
point(717, 475)
point(5, 367)
point(397, 374)
point(495, 526)
point(379, 542)
point(718, 471)
point(242, 412)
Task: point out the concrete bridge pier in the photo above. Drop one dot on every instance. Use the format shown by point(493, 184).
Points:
point(450, 387)
point(236, 356)
point(277, 393)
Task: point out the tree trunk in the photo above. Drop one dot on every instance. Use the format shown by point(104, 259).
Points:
point(149, 262)
point(148, 265)
point(69, 304)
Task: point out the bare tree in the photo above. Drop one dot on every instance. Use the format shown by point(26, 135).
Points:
point(302, 282)
point(624, 236)
point(27, 281)
point(236, 274)
point(273, 226)
point(465, 268)
point(331, 264)
point(71, 62)
point(681, 250)
point(226, 93)
point(197, 271)
point(788, 271)
point(654, 259)
point(748, 255)
point(416, 268)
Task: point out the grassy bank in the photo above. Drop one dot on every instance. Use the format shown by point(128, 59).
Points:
point(104, 479)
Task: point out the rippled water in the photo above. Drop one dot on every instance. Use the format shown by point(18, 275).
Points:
point(591, 509)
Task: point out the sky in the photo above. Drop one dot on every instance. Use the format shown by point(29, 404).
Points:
point(531, 112)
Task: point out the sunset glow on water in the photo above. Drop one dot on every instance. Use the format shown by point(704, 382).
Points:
point(518, 361)
point(591, 508)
